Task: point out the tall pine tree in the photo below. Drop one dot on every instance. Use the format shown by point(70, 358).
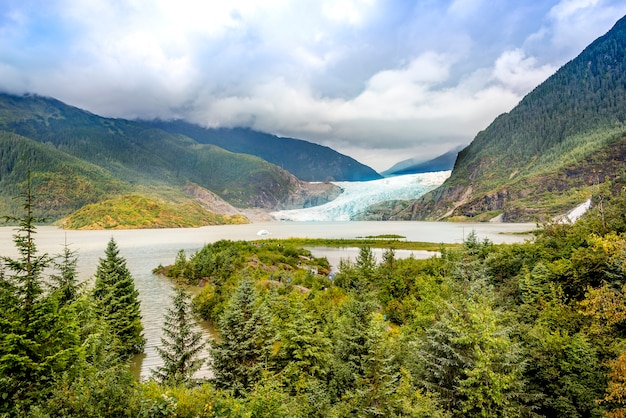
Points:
point(182, 344)
point(39, 336)
point(117, 299)
point(65, 281)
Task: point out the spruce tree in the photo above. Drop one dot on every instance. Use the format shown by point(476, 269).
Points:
point(117, 299)
point(39, 337)
point(28, 267)
point(182, 344)
point(65, 281)
point(469, 359)
point(350, 344)
point(246, 336)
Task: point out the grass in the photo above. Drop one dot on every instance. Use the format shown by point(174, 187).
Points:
point(383, 236)
point(362, 242)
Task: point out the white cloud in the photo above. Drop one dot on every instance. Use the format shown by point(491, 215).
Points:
point(372, 79)
point(520, 73)
point(571, 25)
point(350, 11)
point(569, 8)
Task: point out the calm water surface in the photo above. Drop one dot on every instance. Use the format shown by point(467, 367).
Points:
point(146, 249)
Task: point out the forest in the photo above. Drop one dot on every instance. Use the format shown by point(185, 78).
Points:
point(555, 145)
point(518, 330)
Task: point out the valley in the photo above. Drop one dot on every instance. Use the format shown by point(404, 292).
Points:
point(185, 254)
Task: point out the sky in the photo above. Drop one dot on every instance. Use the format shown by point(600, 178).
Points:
point(379, 80)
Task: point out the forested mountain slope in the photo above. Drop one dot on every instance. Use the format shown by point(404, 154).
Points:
point(62, 182)
point(133, 156)
point(307, 161)
point(546, 155)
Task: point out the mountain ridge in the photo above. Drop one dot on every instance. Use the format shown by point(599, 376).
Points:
point(443, 162)
point(306, 160)
point(134, 157)
point(547, 154)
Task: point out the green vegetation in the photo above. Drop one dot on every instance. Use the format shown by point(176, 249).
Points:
point(373, 242)
point(62, 183)
point(57, 355)
point(133, 211)
point(182, 344)
point(393, 236)
point(535, 161)
point(116, 300)
point(306, 160)
point(78, 158)
point(531, 329)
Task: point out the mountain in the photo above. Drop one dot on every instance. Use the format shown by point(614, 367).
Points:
point(307, 161)
point(547, 155)
point(444, 162)
point(76, 158)
point(62, 183)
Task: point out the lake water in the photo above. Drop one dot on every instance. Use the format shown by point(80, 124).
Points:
point(146, 249)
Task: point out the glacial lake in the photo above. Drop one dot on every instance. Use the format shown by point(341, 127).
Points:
point(146, 249)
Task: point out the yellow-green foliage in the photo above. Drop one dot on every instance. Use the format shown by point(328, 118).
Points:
point(373, 242)
point(134, 212)
point(181, 401)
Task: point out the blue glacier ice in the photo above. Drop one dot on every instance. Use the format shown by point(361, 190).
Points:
point(358, 195)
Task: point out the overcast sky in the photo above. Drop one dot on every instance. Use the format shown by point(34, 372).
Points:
point(379, 80)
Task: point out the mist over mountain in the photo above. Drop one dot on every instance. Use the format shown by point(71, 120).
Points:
point(306, 160)
point(75, 158)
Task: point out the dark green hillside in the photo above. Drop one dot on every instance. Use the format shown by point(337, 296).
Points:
point(550, 149)
point(243, 180)
point(307, 161)
point(62, 183)
point(145, 156)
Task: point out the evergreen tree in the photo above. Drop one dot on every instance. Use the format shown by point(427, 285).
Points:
point(350, 343)
point(117, 299)
point(469, 359)
point(304, 348)
point(65, 281)
point(39, 337)
point(29, 266)
point(377, 386)
point(245, 346)
point(357, 276)
point(182, 344)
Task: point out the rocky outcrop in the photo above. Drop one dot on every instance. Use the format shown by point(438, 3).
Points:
point(307, 195)
point(210, 201)
point(297, 195)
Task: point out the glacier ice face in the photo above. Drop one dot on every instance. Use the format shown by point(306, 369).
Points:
point(358, 195)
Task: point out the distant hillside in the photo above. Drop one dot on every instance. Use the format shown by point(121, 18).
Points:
point(550, 152)
point(62, 183)
point(113, 156)
point(135, 212)
point(444, 162)
point(306, 160)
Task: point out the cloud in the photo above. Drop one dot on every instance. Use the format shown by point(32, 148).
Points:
point(520, 73)
point(350, 11)
point(371, 78)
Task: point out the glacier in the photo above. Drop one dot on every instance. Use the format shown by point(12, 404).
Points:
point(356, 196)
